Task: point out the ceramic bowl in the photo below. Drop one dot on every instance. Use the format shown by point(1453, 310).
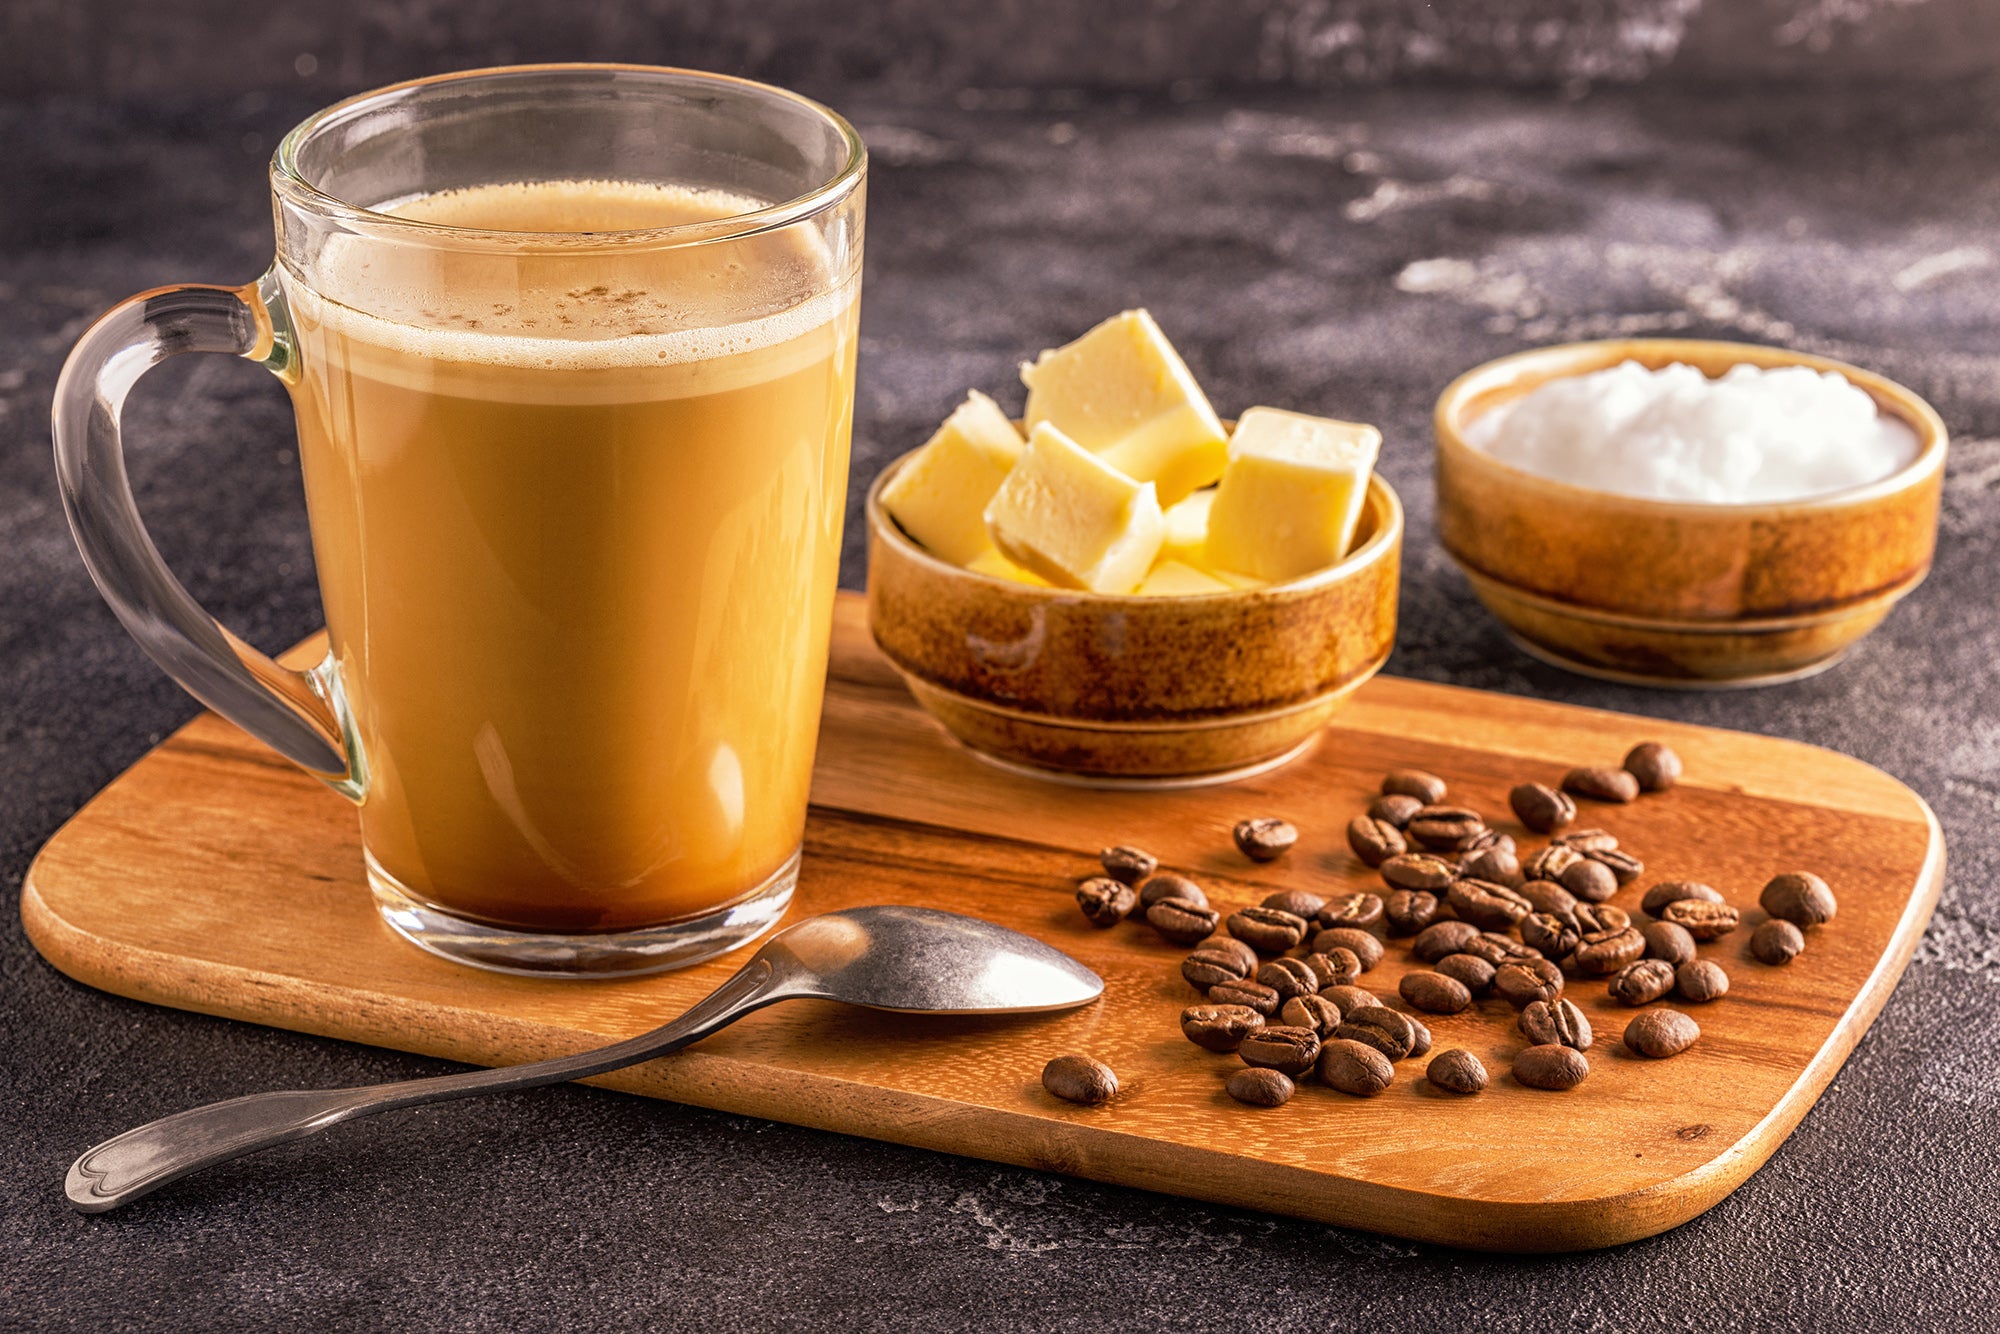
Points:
point(1133, 691)
point(1680, 593)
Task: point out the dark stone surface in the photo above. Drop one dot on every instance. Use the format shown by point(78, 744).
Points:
point(1340, 252)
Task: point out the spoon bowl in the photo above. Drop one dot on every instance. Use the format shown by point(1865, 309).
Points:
point(920, 960)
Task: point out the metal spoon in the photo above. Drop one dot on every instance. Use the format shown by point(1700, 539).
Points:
point(915, 960)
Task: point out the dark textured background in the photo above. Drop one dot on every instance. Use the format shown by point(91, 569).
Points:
point(1333, 205)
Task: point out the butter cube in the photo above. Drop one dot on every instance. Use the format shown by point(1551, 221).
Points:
point(992, 562)
point(1075, 520)
point(1187, 540)
point(1124, 394)
point(940, 496)
point(1291, 497)
point(1174, 579)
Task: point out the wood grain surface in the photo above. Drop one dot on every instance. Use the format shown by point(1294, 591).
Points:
point(213, 876)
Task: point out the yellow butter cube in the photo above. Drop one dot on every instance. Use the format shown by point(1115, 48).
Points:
point(1187, 528)
point(1073, 519)
point(940, 496)
point(1291, 496)
point(992, 562)
point(1174, 579)
point(1124, 394)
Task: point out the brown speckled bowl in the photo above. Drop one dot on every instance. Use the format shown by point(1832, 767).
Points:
point(1132, 691)
point(1680, 593)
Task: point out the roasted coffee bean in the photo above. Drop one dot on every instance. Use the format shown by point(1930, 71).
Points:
point(1427, 788)
point(1247, 993)
point(1106, 902)
point(1267, 930)
point(1799, 897)
point(1235, 949)
point(1541, 808)
point(1260, 1087)
point(1289, 978)
point(1600, 782)
point(1220, 1027)
point(1336, 967)
point(1486, 905)
point(1297, 902)
point(1602, 953)
point(1128, 865)
point(1265, 839)
point(1495, 865)
point(1642, 982)
point(1408, 911)
point(1395, 809)
point(1624, 867)
point(1208, 967)
point(1281, 1047)
point(1497, 949)
point(1591, 917)
point(1379, 1027)
point(1551, 862)
point(1375, 841)
point(1777, 942)
point(1701, 981)
point(1456, 1071)
point(1548, 896)
point(1080, 1079)
point(1182, 921)
point(1591, 881)
point(1167, 885)
point(1434, 993)
point(1490, 841)
point(1446, 828)
point(1552, 1067)
point(1473, 973)
point(1418, 870)
point(1703, 920)
point(1668, 941)
point(1661, 1033)
point(1318, 1013)
point(1557, 1021)
point(1355, 1067)
point(1588, 840)
point(1672, 891)
point(1420, 1037)
point(1434, 942)
point(1354, 910)
point(1655, 766)
point(1366, 948)
point(1350, 999)
point(1554, 935)
point(1527, 980)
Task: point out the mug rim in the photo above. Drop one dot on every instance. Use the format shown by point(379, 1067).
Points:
point(289, 181)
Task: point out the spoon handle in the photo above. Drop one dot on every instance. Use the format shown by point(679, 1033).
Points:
point(143, 1159)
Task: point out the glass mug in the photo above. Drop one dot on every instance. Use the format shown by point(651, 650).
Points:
point(571, 352)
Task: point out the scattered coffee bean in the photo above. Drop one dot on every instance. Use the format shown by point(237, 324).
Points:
point(1799, 897)
point(1418, 870)
point(1395, 809)
point(1655, 766)
point(1701, 981)
point(1106, 902)
point(1425, 787)
point(1267, 930)
point(1668, 941)
point(1456, 1071)
point(1496, 865)
point(1486, 905)
point(1260, 1087)
point(1554, 934)
point(1490, 841)
point(1336, 967)
point(1355, 1067)
point(1220, 1027)
point(1289, 978)
point(1624, 867)
point(1408, 911)
point(1703, 920)
point(1208, 967)
point(1600, 782)
point(1524, 981)
point(1420, 1037)
point(1245, 957)
point(1591, 881)
point(1557, 1021)
point(1128, 865)
point(1080, 1079)
point(1661, 1033)
point(1777, 942)
point(1167, 885)
point(1591, 917)
point(1281, 1047)
point(1182, 921)
point(1602, 953)
point(1366, 947)
point(1473, 973)
point(1541, 808)
point(1435, 993)
point(1318, 1013)
point(1442, 938)
point(1446, 828)
point(1375, 841)
point(1642, 982)
point(1251, 995)
point(1379, 1027)
point(1352, 910)
point(1551, 862)
point(1551, 1067)
point(1673, 891)
point(1548, 896)
point(1265, 839)
point(1297, 902)
point(1350, 999)
point(1588, 841)
point(1497, 949)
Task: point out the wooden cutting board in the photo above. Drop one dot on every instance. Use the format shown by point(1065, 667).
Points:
point(212, 876)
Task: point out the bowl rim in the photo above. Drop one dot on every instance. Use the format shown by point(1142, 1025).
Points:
point(1558, 360)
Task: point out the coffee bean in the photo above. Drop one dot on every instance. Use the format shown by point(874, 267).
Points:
point(1434, 993)
point(1557, 1021)
point(1497, 949)
point(1260, 1088)
point(1408, 911)
point(1672, 891)
point(1220, 1027)
point(1642, 982)
point(1434, 942)
point(1548, 896)
point(1182, 920)
point(1355, 1067)
point(1551, 862)
point(1246, 958)
point(1395, 809)
point(1289, 978)
point(1486, 905)
point(1600, 782)
point(1337, 967)
point(1472, 972)
point(1128, 865)
point(1375, 841)
point(1495, 865)
point(1490, 841)
point(1799, 897)
point(1446, 828)
point(1208, 967)
point(1418, 870)
point(1167, 885)
point(1668, 941)
point(1703, 920)
point(1355, 910)
point(1456, 1071)
point(1777, 942)
point(1079, 1079)
point(1591, 917)
point(1552, 1067)
point(1701, 981)
point(1318, 1013)
point(1281, 1047)
point(1602, 953)
point(1661, 1033)
point(1265, 839)
point(1427, 788)
point(1366, 948)
point(1590, 881)
point(1350, 999)
point(1297, 902)
point(1526, 980)
point(1655, 766)
point(1379, 1027)
point(1588, 841)
point(1553, 934)
point(1541, 808)
point(1420, 1037)
point(1267, 930)
point(1624, 867)
point(1106, 902)
point(1251, 995)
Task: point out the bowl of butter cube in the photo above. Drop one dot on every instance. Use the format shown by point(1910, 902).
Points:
point(1122, 588)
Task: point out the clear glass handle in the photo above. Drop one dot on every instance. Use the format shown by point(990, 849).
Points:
point(295, 713)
